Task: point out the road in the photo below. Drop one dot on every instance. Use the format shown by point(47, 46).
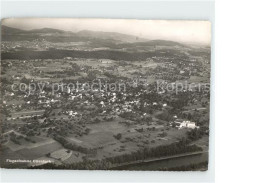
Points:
point(17, 133)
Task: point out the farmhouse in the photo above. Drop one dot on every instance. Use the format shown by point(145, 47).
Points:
point(71, 113)
point(186, 124)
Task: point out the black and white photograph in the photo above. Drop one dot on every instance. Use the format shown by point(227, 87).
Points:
point(105, 94)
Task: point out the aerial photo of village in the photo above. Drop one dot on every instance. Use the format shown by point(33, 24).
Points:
point(95, 99)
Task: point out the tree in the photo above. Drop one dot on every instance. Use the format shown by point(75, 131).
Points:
point(118, 136)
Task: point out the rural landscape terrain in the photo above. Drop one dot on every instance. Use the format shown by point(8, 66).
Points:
point(139, 104)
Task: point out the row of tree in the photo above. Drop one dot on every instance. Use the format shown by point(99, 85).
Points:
point(74, 147)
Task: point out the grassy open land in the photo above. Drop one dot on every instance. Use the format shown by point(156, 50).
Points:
point(37, 148)
point(39, 151)
point(7, 153)
point(61, 154)
point(74, 158)
point(97, 139)
point(102, 136)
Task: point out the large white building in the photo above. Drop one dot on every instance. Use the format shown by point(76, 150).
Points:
point(187, 124)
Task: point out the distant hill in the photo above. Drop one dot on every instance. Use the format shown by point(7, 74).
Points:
point(153, 43)
point(123, 47)
point(10, 30)
point(109, 35)
point(94, 39)
point(46, 32)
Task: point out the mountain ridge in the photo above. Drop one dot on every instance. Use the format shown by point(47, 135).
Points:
point(83, 33)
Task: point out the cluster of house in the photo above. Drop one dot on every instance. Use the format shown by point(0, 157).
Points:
point(71, 113)
point(186, 124)
point(180, 123)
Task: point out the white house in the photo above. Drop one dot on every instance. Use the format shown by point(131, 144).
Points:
point(187, 124)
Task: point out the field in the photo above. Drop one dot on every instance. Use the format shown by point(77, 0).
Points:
point(102, 136)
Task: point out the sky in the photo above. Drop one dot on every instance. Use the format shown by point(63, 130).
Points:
point(173, 30)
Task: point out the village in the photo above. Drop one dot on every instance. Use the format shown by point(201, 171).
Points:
point(124, 120)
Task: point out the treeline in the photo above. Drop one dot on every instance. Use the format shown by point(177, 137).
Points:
point(196, 134)
point(74, 147)
point(203, 166)
point(101, 54)
point(156, 152)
